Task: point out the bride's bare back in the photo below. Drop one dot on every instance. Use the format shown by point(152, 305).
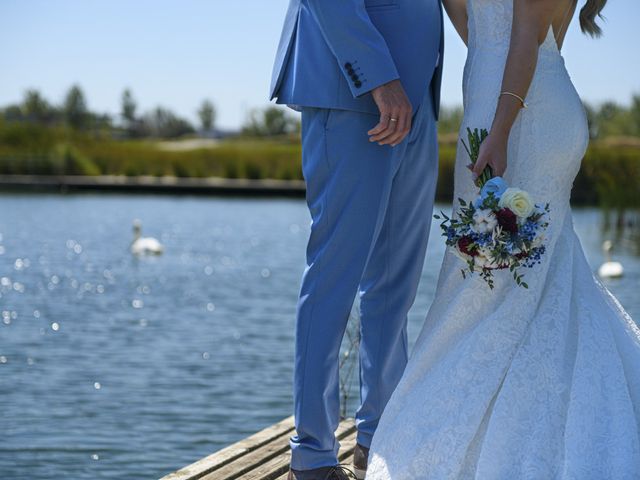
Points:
point(457, 12)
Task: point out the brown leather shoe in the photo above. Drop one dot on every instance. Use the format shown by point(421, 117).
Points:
point(360, 459)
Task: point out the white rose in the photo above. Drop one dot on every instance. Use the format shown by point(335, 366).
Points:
point(481, 262)
point(518, 201)
point(484, 221)
point(484, 259)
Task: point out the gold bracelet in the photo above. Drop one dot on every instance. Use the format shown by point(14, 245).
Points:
point(524, 104)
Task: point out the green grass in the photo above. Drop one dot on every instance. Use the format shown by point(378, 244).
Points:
point(610, 175)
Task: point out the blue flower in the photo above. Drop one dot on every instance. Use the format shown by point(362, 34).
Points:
point(484, 239)
point(496, 186)
point(528, 230)
point(512, 249)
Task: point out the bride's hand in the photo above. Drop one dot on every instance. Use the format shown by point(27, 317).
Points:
point(493, 152)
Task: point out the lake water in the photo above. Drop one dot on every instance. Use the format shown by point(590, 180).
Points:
point(117, 367)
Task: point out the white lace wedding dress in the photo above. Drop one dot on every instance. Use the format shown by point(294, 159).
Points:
point(510, 383)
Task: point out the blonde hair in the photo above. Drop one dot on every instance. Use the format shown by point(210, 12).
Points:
point(588, 14)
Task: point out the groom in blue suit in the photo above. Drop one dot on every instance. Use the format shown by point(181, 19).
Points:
point(366, 76)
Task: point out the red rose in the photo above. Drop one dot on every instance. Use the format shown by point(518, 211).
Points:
point(465, 245)
point(507, 220)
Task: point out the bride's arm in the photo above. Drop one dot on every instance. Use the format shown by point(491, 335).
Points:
point(457, 11)
point(531, 22)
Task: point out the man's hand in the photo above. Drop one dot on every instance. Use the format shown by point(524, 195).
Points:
point(395, 114)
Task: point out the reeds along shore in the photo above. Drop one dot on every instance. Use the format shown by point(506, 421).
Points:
point(610, 173)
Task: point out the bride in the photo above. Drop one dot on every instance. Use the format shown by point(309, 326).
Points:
point(514, 383)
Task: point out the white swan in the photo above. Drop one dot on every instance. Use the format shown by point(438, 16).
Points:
point(144, 245)
point(609, 269)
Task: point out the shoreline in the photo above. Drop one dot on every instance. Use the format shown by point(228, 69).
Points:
point(151, 184)
point(171, 185)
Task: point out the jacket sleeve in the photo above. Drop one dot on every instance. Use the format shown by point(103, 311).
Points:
point(360, 49)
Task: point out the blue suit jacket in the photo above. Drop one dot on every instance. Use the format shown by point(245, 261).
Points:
point(332, 53)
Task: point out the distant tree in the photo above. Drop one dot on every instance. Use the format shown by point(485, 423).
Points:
point(12, 113)
point(35, 108)
point(128, 116)
point(271, 121)
point(163, 123)
point(129, 107)
point(75, 108)
point(276, 121)
point(101, 121)
point(207, 114)
point(609, 110)
point(449, 120)
point(614, 120)
point(635, 113)
point(592, 120)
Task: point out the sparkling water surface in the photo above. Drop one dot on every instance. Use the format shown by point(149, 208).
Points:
point(113, 366)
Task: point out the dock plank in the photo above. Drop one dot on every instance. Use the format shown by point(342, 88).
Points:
point(249, 461)
point(278, 466)
point(153, 184)
point(262, 456)
point(227, 455)
point(347, 445)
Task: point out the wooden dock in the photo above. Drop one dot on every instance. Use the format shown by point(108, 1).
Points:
point(262, 456)
point(150, 184)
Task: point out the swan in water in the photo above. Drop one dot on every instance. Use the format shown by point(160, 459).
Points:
point(144, 245)
point(610, 269)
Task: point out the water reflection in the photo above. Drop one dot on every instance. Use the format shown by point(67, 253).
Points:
point(116, 366)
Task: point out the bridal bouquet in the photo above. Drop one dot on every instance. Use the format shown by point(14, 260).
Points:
point(503, 228)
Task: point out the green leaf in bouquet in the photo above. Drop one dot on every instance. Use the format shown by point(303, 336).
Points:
point(475, 139)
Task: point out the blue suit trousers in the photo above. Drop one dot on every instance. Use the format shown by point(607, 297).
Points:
point(371, 208)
